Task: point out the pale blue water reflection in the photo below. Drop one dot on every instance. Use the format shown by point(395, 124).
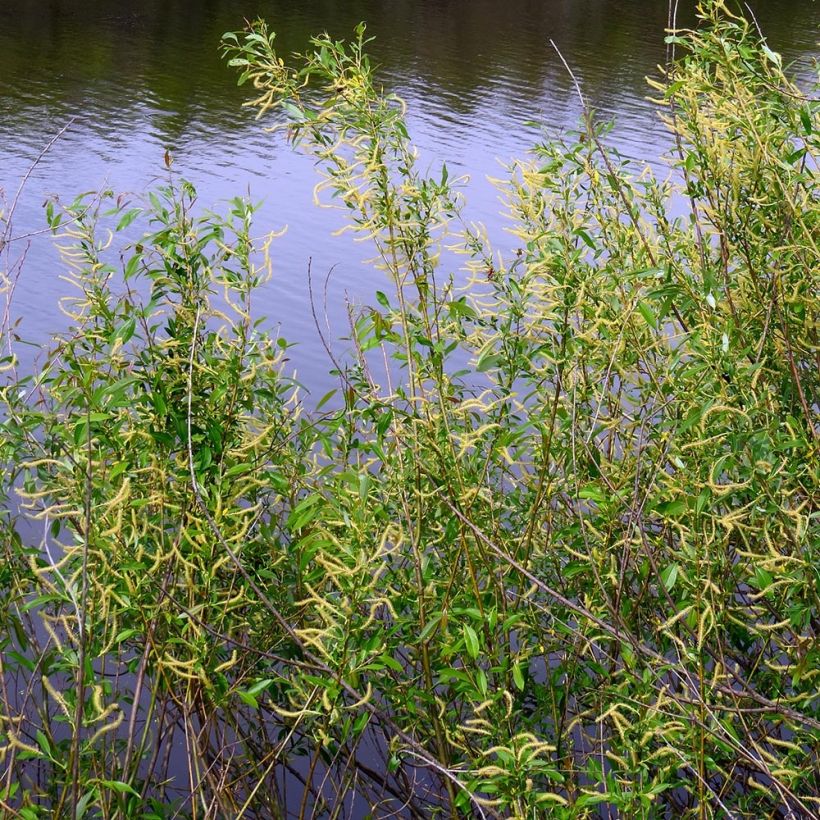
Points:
point(141, 77)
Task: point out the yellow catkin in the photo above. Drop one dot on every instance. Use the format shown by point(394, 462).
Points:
point(223, 667)
point(109, 727)
point(58, 698)
point(16, 743)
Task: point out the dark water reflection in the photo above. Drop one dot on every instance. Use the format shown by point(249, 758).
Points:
point(145, 76)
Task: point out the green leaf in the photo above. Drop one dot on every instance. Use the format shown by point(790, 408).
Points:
point(296, 113)
point(80, 432)
point(772, 56)
point(119, 786)
point(128, 217)
point(762, 578)
point(158, 401)
point(303, 513)
point(237, 469)
point(43, 743)
point(487, 359)
point(260, 686)
point(391, 663)
point(592, 492)
point(429, 627)
point(672, 508)
point(805, 118)
point(126, 331)
point(669, 576)
point(247, 699)
point(518, 677)
point(83, 803)
point(574, 568)
point(648, 315)
point(580, 232)
point(360, 723)
point(326, 398)
point(471, 641)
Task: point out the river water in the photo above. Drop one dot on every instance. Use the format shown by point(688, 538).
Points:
point(143, 76)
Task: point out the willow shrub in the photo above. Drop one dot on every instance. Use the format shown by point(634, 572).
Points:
point(578, 574)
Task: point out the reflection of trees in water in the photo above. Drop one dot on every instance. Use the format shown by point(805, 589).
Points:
point(166, 50)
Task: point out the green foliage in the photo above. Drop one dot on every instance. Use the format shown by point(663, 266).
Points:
point(578, 573)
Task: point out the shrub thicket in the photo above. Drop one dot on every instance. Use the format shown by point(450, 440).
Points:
point(580, 572)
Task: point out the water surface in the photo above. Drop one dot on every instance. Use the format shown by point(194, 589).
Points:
point(143, 77)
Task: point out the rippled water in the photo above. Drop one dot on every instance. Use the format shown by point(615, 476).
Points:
point(141, 77)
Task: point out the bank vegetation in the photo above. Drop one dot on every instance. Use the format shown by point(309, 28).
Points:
point(549, 550)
